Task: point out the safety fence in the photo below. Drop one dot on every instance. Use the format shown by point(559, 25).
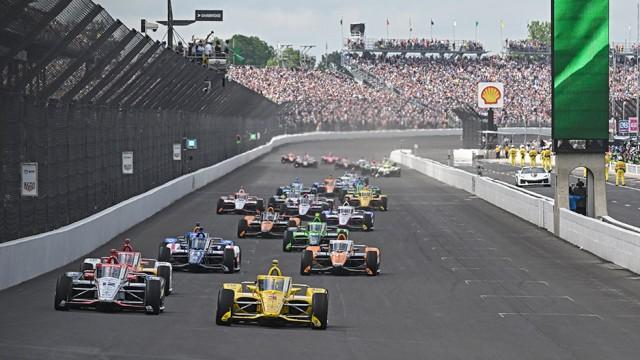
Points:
point(91, 113)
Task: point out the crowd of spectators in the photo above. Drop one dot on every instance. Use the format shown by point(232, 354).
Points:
point(415, 45)
point(323, 100)
point(629, 151)
point(443, 84)
point(423, 91)
point(527, 46)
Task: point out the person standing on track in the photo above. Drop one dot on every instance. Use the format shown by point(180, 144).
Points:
point(523, 152)
point(546, 159)
point(607, 160)
point(512, 155)
point(621, 168)
point(533, 153)
point(498, 148)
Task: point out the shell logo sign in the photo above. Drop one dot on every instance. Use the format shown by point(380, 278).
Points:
point(490, 95)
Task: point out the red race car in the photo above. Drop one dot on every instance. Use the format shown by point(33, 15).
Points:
point(329, 159)
point(288, 158)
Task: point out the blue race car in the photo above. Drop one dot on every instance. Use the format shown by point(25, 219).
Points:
point(200, 252)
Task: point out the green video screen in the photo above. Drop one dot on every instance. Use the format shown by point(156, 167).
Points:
point(580, 69)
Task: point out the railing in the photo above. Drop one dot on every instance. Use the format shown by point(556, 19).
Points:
point(413, 45)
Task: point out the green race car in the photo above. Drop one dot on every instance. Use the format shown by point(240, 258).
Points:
point(315, 232)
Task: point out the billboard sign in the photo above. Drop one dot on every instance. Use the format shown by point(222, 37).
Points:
point(580, 67)
point(208, 15)
point(490, 95)
point(127, 162)
point(623, 127)
point(177, 152)
point(633, 125)
point(29, 179)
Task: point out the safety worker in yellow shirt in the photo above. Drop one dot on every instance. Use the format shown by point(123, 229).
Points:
point(607, 161)
point(523, 152)
point(621, 168)
point(498, 148)
point(546, 159)
point(533, 153)
point(512, 155)
point(506, 150)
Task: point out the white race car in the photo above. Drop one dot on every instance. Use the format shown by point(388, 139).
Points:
point(532, 176)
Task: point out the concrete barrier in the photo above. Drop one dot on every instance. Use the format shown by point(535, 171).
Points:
point(610, 240)
point(26, 258)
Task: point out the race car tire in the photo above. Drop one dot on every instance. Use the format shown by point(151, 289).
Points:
point(287, 241)
point(372, 263)
point(164, 253)
point(319, 309)
point(260, 205)
point(385, 205)
point(229, 260)
point(225, 304)
point(63, 292)
point(279, 192)
point(367, 222)
point(152, 296)
point(243, 226)
point(292, 223)
point(272, 202)
point(306, 262)
point(398, 173)
point(220, 206)
point(283, 160)
point(164, 271)
point(86, 266)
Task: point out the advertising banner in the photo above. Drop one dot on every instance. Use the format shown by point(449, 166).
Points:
point(29, 179)
point(633, 125)
point(490, 95)
point(177, 152)
point(127, 162)
point(623, 127)
point(208, 15)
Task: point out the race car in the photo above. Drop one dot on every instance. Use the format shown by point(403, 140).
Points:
point(313, 233)
point(195, 252)
point(240, 203)
point(365, 199)
point(135, 262)
point(330, 187)
point(296, 187)
point(272, 299)
point(388, 169)
point(289, 158)
point(268, 224)
point(110, 287)
point(305, 161)
point(347, 217)
point(329, 159)
point(340, 256)
point(305, 206)
point(345, 164)
point(532, 176)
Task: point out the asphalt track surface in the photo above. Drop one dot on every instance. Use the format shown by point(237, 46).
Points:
point(461, 279)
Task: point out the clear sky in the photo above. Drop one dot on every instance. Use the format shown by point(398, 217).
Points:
point(304, 22)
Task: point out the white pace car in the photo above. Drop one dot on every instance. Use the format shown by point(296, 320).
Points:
point(532, 176)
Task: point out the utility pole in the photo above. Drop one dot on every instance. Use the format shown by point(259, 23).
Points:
point(169, 25)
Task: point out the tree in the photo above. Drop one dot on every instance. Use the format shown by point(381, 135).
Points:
point(540, 31)
point(252, 49)
point(330, 58)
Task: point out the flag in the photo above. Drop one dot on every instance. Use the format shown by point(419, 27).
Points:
point(477, 23)
point(387, 21)
point(341, 21)
point(454, 23)
point(432, 23)
point(410, 26)
point(501, 24)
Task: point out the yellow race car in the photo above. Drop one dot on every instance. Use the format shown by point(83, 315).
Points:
point(365, 199)
point(272, 298)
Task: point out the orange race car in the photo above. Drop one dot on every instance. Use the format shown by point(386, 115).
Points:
point(268, 224)
point(340, 256)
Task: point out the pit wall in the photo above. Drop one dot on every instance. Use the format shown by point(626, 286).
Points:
point(25, 258)
point(619, 244)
